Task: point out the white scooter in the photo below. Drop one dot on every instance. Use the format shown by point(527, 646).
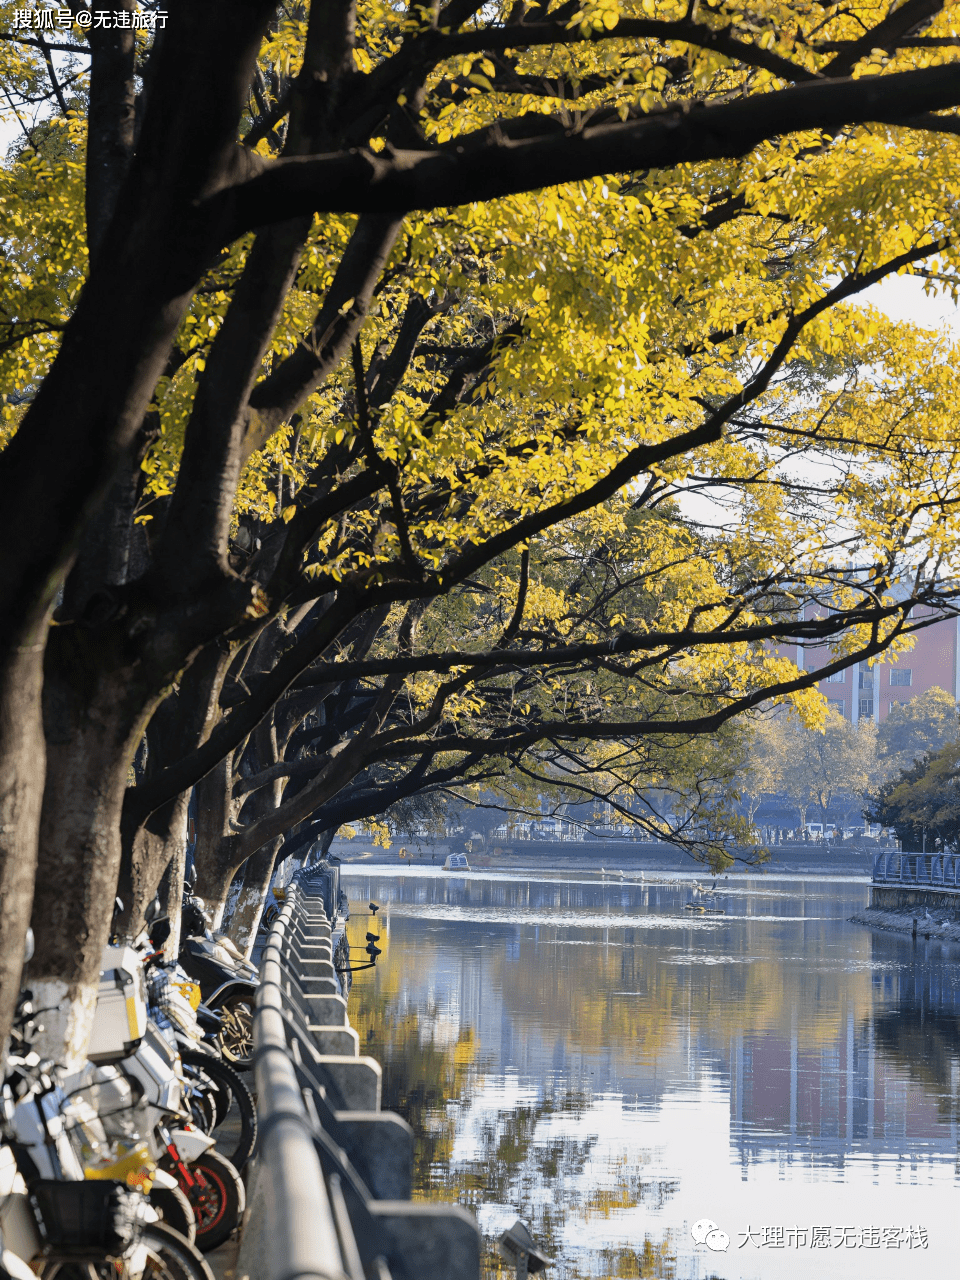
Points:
point(51, 1213)
point(207, 1198)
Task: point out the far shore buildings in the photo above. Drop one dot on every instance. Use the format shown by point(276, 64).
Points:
point(863, 692)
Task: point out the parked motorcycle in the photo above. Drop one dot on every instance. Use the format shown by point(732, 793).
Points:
point(228, 982)
point(215, 1091)
point(53, 1213)
point(208, 1183)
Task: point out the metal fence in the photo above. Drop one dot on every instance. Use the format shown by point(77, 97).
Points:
point(332, 1175)
point(934, 870)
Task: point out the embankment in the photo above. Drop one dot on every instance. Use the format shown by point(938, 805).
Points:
point(928, 923)
point(612, 855)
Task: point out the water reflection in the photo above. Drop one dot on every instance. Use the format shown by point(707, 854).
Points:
point(613, 1067)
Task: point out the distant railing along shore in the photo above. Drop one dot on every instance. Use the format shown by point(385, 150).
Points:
point(936, 870)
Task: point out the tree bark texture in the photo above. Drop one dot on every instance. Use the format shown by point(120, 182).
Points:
point(171, 894)
point(180, 724)
point(212, 856)
point(93, 718)
point(22, 763)
point(255, 876)
point(156, 847)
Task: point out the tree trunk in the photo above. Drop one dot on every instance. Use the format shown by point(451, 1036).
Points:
point(181, 723)
point(156, 846)
point(223, 916)
point(256, 873)
point(93, 727)
point(212, 856)
point(257, 870)
point(323, 843)
point(22, 764)
point(823, 804)
point(215, 873)
point(171, 898)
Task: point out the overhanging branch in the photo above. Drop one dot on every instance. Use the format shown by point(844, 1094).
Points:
point(484, 165)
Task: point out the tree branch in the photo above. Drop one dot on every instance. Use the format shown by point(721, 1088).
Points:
point(482, 166)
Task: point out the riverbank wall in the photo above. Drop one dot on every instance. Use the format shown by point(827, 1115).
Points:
point(612, 855)
point(926, 921)
point(913, 900)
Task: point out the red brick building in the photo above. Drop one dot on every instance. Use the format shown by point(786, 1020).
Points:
point(863, 691)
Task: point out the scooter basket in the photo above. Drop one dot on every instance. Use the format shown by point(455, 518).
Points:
point(78, 1219)
point(168, 1006)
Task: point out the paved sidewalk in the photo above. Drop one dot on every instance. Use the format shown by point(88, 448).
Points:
point(223, 1261)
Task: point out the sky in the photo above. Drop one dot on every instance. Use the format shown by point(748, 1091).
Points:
point(902, 298)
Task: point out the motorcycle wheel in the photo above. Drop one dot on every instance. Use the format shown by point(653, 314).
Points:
point(169, 1257)
point(202, 1101)
point(227, 1088)
point(217, 1197)
point(175, 1210)
point(235, 1036)
point(178, 1258)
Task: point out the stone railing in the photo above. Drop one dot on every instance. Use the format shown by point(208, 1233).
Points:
point(330, 1188)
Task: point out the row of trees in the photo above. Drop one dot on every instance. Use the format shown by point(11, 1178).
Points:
point(360, 362)
point(843, 767)
point(921, 801)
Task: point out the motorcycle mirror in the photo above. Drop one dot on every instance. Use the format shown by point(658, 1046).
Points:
point(153, 911)
point(28, 946)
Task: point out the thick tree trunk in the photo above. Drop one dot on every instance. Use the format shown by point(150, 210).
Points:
point(94, 710)
point(214, 857)
point(215, 874)
point(222, 918)
point(221, 863)
point(171, 897)
point(256, 873)
point(22, 763)
point(182, 721)
point(156, 846)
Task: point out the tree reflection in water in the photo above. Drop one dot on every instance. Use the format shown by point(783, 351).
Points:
point(920, 1032)
point(590, 1057)
point(430, 1077)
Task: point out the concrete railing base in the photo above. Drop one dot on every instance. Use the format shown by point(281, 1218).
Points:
point(331, 1180)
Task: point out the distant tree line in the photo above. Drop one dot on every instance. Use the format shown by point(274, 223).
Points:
point(897, 773)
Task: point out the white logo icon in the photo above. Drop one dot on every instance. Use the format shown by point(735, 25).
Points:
point(701, 1229)
point(705, 1231)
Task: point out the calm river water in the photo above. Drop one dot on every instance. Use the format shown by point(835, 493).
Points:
point(615, 1070)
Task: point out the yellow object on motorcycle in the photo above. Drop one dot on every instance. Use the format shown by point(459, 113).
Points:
point(133, 1165)
point(190, 992)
